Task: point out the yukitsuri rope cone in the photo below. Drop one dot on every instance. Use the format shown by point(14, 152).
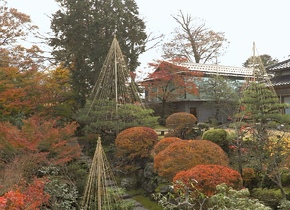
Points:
point(101, 191)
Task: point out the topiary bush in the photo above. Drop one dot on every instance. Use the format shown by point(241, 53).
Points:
point(205, 178)
point(163, 143)
point(134, 145)
point(179, 123)
point(218, 136)
point(249, 177)
point(183, 155)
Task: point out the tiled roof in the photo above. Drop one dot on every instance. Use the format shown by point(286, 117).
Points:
point(218, 69)
point(281, 80)
point(279, 66)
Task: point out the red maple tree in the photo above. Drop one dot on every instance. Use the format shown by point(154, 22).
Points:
point(36, 144)
point(170, 82)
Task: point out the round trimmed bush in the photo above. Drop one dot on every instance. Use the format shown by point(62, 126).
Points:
point(205, 178)
point(183, 155)
point(135, 143)
point(163, 143)
point(218, 136)
point(180, 123)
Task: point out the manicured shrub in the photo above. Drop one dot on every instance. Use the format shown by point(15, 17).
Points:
point(249, 177)
point(135, 144)
point(179, 123)
point(183, 155)
point(218, 136)
point(270, 197)
point(205, 178)
point(163, 143)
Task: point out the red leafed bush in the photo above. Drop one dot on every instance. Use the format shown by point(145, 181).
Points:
point(179, 123)
point(163, 143)
point(136, 142)
point(205, 178)
point(40, 138)
point(180, 119)
point(25, 196)
point(183, 155)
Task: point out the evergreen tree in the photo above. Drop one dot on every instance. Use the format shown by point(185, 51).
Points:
point(260, 61)
point(102, 117)
point(83, 31)
point(263, 118)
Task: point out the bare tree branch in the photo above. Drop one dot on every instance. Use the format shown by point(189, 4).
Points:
point(194, 41)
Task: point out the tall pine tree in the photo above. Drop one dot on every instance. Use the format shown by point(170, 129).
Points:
point(83, 31)
point(266, 127)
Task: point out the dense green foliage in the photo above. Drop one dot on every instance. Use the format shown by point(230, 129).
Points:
point(261, 120)
point(262, 61)
point(271, 197)
point(227, 198)
point(218, 136)
point(101, 117)
point(83, 31)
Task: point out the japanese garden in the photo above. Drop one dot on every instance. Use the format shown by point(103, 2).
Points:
point(79, 131)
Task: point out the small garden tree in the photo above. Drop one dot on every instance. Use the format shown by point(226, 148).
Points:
point(206, 177)
point(133, 147)
point(180, 124)
point(265, 125)
point(183, 155)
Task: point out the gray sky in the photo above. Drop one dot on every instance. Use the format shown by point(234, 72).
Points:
point(264, 22)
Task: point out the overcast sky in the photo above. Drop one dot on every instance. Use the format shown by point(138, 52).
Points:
point(265, 22)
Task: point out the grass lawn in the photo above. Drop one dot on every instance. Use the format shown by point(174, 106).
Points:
point(137, 195)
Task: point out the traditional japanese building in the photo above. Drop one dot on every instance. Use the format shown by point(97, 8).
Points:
point(198, 104)
point(280, 74)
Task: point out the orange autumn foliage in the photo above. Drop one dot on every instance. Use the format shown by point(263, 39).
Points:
point(180, 120)
point(205, 178)
point(163, 143)
point(21, 92)
point(169, 82)
point(25, 196)
point(136, 143)
point(183, 155)
point(42, 139)
point(179, 123)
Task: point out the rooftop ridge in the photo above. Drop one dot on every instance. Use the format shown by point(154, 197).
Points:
point(218, 69)
point(281, 65)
